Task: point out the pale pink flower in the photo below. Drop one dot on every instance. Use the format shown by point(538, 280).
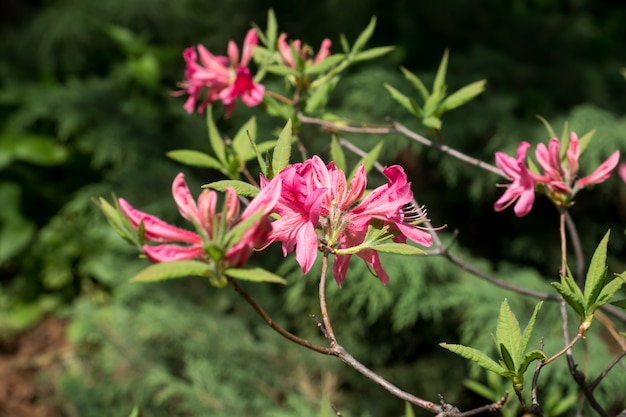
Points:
point(522, 188)
point(319, 211)
point(223, 77)
point(174, 244)
point(285, 50)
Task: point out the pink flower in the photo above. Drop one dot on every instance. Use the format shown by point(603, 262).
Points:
point(224, 77)
point(522, 187)
point(285, 50)
point(208, 243)
point(319, 211)
point(560, 175)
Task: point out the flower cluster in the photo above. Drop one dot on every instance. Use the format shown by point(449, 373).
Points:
point(285, 51)
point(224, 77)
point(319, 211)
point(559, 179)
point(210, 241)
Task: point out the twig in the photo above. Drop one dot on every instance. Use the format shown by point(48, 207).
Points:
point(330, 334)
point(487, 408)
point(535, 408)
point(604, 373)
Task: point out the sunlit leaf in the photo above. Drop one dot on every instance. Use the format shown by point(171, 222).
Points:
point(195, 159)
point(241, 187)
point(462, 96)
point(215, 138)
point(368, 160)
point(336, 154)
point(241, 142)
point(596, 274)
point(325, 64)
point(416, 82)
point(508, 331)
point(401, 99)
point(172, 270)
point(474, 355)
point(282, 151)
point(363, 37)
point(373, 53)
point(254, 274)
point(529, 329)
point(399, 248)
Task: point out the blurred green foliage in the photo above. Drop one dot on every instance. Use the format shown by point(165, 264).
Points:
point(86, 110)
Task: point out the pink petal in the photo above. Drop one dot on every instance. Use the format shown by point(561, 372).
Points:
point(184, 200)
point(324, 51)
point(169, 253)
point(285, 51)
point(622, 172)
point(249, 43)
point(572, 154)
point(602, 173)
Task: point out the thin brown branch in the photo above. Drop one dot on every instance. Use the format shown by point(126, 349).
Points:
point(329, 333)
point(487, 408)
point(604, 373)
point(578, 249)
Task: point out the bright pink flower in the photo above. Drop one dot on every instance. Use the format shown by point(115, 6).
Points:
point(224, 77)
point(522, 187)
point(173, 243)
point(285, 50)
point(319, 211)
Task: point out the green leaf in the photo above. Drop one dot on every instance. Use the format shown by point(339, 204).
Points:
point(529, 358)
point(282, 70)
point(195, 159)
point(416, 82)
point(368, 160)
point(235, 234)
point(241, 187)
point(32, 148)
point(118, 221)
point(508, 332)
point(259, 158)
point(408, 410)
point(363, 38)
point(508, 361)
point(319, 95)
point(345, 46)
point(474, 355)
point(439, 86)
point(241, 141)
point(529, 329)
point(134, 412)
point(608, 292)
point(254, 274)
point(432, 122)
point(571, 298)
point(171, 270)
point(596, 275)
point(400, 248)
point(373, 53)
point(547, 126)
point(325, 64)
point(336, 154)
point(272, 28)
point(403, 100)
point(282, 152)
point(620, 304)
point(216, 139)
point(481, 390)
point(462, 96)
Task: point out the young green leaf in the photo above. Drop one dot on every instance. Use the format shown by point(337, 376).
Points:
point(368, 160)
point(241, 187)
point(439, 86)
point(584, 141)
point(336, 154)
point(547, 126)
point(325, 64)
point(402, 100)
point(416, 82)
point(507, 360)
point(373, 53)
point(241, 141)
point(508, 333)
point(235, 234)
point(363, 38)
point(596, 275)
point(195, 159)
point(529, 329)
point(254, 274)
point(215, 138)
point(462, 96)
point(272, 28)
point(529, 358)
point(408, 410)
point(608, 292)
point(399, 248)
point(475, 355)
point(171, 270)
point(574, 301)
point(282, 152)
point(119, 222)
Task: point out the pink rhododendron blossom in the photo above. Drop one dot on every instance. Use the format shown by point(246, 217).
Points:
point(320, 211)
point(285, 50)
point(522, 187)
point(559, 177)
point(223, 77)
point(170, 243)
